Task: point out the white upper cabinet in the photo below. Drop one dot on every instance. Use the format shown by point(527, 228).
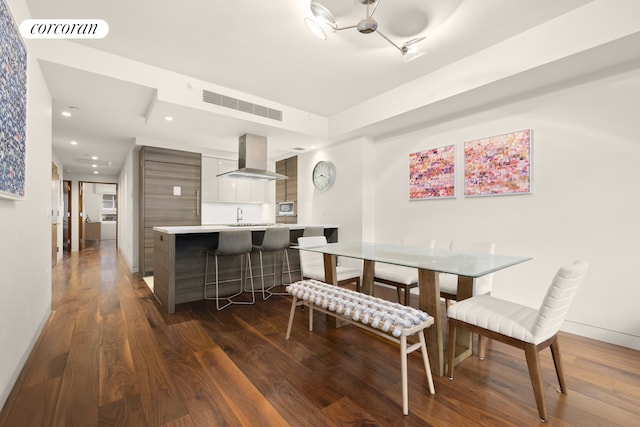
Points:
point(209, 180)
point(226, 186)
point(259, 191)
point(228, 189)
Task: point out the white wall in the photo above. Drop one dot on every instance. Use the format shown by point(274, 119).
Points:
point(584, 202)
point(25, 252)
point(344, 203)
point(128, 211)
point(226, 213)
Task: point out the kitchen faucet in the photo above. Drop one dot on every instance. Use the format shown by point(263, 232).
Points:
point(238, 215)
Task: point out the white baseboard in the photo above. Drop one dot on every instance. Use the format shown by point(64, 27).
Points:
point(16, 373)
point(149, 281)
point(606, 335)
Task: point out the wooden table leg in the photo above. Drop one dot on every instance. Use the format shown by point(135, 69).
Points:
point(330, 274)
point(331, 277)
point(367, 277)
point(464, 338)
point(429, 301)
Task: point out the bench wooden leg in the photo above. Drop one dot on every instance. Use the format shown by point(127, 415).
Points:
point(425, 359)
point(291, 314)
point(403, 365)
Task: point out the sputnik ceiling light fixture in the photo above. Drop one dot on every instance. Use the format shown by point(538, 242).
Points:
point(367, 25)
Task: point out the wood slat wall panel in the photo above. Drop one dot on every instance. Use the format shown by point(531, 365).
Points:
point(292, 182)
point(164, 257)
point(281, 185)
point(160, 171)
point(166, 155)
point(287, 190)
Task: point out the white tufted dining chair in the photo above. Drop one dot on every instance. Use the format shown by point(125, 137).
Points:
point(312, 264)
point(403, 278)
point(521, 326)
point(481, 285)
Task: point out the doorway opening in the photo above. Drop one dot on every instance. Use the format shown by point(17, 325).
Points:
point(97, 214)
point(66, 220)
point(55, 211)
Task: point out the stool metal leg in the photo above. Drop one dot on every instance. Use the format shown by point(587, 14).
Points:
point(266, 292)
point(246, 260)
point(248, 266)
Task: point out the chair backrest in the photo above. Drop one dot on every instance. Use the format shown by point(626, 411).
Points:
point(234, 242)
point(275, 239)
point(482, 285)
point(311, 260)
point(557, 301)
point(418, 242)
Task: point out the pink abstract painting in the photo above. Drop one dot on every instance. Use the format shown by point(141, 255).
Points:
point(432, 173)
point(498, 165)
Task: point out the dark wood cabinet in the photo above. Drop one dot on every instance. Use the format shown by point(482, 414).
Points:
point(287, 189)
point(170, 191)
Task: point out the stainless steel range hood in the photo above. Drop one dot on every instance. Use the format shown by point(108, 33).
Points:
point(252, 160)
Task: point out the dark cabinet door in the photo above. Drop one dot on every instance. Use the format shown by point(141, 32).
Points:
point(170, 191)
point(287, 189)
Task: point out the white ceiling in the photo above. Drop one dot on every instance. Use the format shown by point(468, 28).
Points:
point(263, 49)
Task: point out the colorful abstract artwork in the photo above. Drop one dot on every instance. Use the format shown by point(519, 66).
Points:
point(13, 107)
point(432, 173)
point(498, 165)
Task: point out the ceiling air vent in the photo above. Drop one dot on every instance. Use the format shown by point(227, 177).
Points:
point(240, 105)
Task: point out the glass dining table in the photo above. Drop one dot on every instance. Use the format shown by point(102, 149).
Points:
point(429, 262)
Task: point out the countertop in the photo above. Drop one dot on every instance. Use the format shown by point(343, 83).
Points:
point(213, 228)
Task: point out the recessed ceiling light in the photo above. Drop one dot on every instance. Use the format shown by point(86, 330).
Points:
point(94, 157)
point(74, 142)
point(168, 118)
point(94, 166)
point(96, 172)
point(66, 114)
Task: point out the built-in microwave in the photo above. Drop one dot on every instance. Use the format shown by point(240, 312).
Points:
point(286, 209)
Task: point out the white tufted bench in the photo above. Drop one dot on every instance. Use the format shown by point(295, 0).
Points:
point(384, 318)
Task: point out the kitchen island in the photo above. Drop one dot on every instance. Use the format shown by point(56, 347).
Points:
point(179, 259)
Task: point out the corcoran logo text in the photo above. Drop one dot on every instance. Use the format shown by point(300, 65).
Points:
point(64, 29)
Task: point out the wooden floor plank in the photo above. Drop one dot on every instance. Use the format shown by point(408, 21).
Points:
point(78, 401)
point(248, 404)
point(160, 400)
point(124, 412)
point(109, 355)
point(117, 372)
point(32, 406)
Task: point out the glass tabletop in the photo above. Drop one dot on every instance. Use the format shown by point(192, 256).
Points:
point(462, 263)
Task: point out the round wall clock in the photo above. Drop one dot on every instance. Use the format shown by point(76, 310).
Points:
point(324, 175)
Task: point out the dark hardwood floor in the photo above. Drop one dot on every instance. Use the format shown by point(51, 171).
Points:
point(110, 356)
